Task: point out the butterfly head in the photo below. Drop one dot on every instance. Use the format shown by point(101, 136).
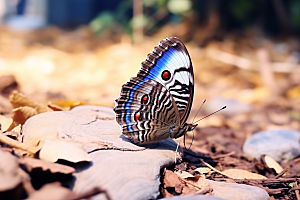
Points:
point(180, 131)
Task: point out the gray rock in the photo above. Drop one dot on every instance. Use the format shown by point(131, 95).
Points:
point(281, 145)
point(234, 191)
point(125, 171)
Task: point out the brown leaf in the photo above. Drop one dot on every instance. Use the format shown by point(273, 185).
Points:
point(21, 114)
point(68, 104)
point(170, 179)
point(183, 174)
point(55, 107)
point(54, 149)
point(203, 170)
point(242, 174)
point(19, 100)
point(18, 145)
point(32, 163)
point(272, 164)
point(194, 184)
point(5, 122)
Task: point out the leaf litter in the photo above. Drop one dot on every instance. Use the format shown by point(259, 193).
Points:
point(274, 97)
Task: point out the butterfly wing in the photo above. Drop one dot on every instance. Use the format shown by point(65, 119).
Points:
point(169, 63)
point(146, 110)
point(161, 95)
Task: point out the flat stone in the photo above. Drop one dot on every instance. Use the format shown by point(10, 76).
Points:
point(281, 145)
point(234, 191)
point(125, 170)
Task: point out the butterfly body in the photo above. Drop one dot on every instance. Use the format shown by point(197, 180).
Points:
point(155, 104)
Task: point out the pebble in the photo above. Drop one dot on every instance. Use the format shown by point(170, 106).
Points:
point(282, 145)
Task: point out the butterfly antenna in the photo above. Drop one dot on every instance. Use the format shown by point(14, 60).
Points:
point(192, 123)
point(210, 114)
point(199, 110)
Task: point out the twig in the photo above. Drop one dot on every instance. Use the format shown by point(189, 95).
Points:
point(18, 145)
point(297, 191)
point(223, 155)
point(282, 173)
point(214, 169)
point(269, 181)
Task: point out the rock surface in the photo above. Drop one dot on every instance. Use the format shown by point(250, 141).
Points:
point(124, 170)
point(281, 145)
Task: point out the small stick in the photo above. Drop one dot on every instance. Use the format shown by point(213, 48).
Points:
point(18, 145)
point(214, 169)
point(297, 191)
point(223, 155)
point(282, 173)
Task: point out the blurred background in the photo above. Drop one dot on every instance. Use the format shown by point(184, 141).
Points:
point(245, 53)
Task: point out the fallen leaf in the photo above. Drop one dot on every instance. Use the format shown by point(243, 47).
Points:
point(19, 100)
point(195, 184)
point(272, 164)
point(5, 123)
point(21, 114)
point(184, 174)
point(293, 93)
point(37, 141)
point(242, 174)
point(68, 104)
point(54, 149)
point(203, 170)
point(55, 107)
point(32, 163)
point(170, 179)
point(30, 150)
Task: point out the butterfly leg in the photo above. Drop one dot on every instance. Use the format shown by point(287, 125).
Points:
point(176, 149)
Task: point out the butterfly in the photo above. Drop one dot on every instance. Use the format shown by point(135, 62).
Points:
point(156, 104)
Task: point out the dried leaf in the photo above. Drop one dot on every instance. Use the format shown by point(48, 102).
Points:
point(55, 107)
point(32, 163)
point(54, 149)
point(203, 170)
point(38, 141)
point(31, 150)
point(21, 114)
point(183, 174)
point(19, 100)
point(68, 104)
point(170, 179)
point(195, 184)
point(242, 174)
point(272, 164)
point(5, 122)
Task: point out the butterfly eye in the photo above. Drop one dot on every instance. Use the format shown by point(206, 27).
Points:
point(145, 99)
point(138, 116)
point(166, 75)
